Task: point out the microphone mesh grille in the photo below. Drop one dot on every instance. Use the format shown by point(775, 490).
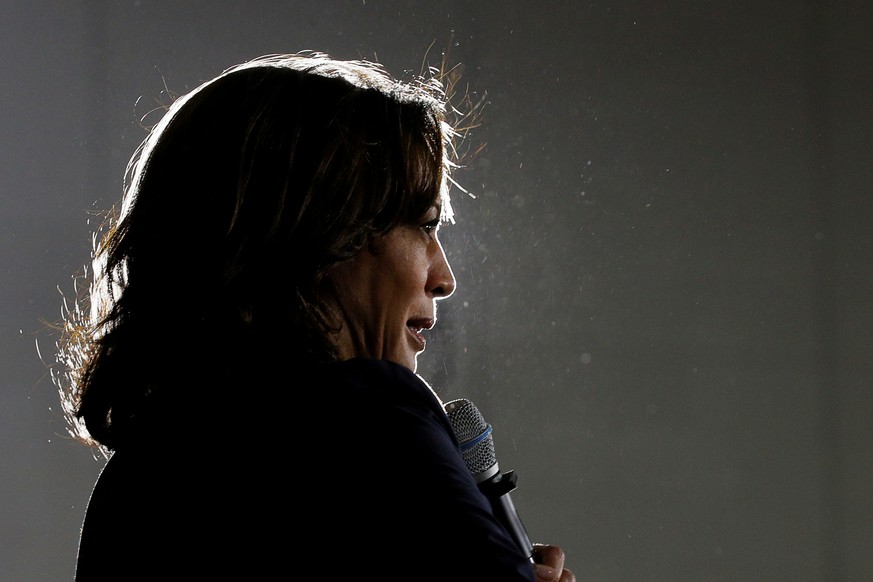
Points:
point(468, 424)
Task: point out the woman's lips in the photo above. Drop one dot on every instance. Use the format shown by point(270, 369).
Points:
point(416, 326)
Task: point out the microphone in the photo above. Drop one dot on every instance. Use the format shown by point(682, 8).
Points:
point(477, 447)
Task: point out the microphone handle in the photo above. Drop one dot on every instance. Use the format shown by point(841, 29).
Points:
point(497, 491)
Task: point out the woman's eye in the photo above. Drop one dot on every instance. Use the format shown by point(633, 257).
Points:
point(431, 226)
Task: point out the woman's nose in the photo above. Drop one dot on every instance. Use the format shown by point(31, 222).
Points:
point(441, 281)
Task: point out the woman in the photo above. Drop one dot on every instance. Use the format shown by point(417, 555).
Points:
point(248, 362)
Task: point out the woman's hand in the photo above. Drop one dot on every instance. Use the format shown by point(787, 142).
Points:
point(549, 564)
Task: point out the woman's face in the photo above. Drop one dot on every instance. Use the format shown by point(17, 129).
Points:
point(386, 296)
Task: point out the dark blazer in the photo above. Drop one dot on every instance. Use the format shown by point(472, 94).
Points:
point(342, 469)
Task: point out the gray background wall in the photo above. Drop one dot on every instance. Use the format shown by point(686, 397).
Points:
point(664, 302)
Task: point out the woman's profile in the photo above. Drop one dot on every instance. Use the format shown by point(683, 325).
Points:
point(246, 353)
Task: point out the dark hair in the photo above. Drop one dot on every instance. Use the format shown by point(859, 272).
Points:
point(249, 189)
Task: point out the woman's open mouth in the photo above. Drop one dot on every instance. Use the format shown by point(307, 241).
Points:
point(416, 327)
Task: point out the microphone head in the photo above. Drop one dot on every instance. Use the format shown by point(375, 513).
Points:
point(474, 436)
